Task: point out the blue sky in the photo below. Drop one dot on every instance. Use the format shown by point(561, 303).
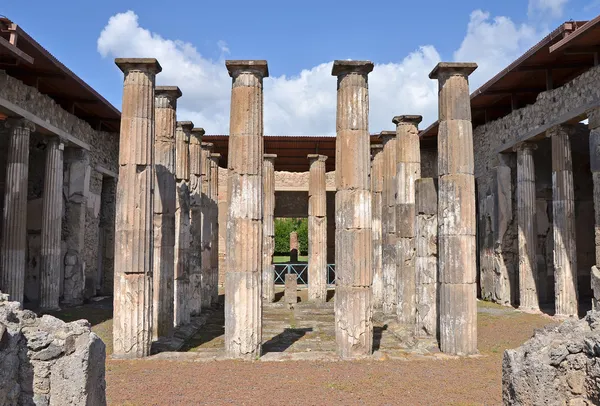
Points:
point(191, 39)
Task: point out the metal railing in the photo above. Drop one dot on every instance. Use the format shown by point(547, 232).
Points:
point(302, 271)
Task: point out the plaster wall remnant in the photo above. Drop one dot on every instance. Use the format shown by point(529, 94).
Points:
point(132, 325)
point(195, 257)
point(214, 230)
point(268, 269)
point(376, 206)
point(388, 224)
point(317, 230)
point(206, 237)
point(243, 304)
point(354, 271)
point(456, 211)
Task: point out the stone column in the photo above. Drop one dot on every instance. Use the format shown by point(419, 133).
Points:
point(376, 190)
point(563, 223)
point(181, 289)
point(214, 217)
point(456, 211)
point(52, 203)
point(426, 257)
point(243, 304)
point(132, 329)
point(317, 229)
point(388, 223)
point(408, 170)
point(14, 232)
point(294, 247)
point(527, 231)
point(165, 192)
point(353, 254)
point(268, 269)
point(206, 278)
point(594, 126)
point(195, 258)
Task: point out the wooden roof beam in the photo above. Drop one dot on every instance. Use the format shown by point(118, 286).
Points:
point(15, 52)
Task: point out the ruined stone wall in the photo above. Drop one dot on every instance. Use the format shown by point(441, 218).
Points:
point(299, 181)
point(429, 161)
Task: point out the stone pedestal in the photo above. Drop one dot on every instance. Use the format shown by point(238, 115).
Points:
point(291, 287)
point(195, 258)
point(317, 229)
point(563, 209)
point(14, 231)
point(294, 247)
point(456, 211)
point(52, 205)
point(207, 223)
point(388, 223)
point(526, 205)
point(214, 218)
point(408, 170)
point(268, 269)
point(594, 126)
point(165, 191)
point(181, 289)
point(353, 254)
point(376, 189)
point(132, 329)
point(243, 304)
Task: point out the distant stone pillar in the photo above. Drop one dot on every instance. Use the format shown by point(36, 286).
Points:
point(214, 217)
point(52, 204)
point(195, 258)
point(353, 253)
point(181, 289)
point(456, 211)
point(317, 229)
point(14, 232)
point(408, 170)
point(132, 329)
point(165, 192)
point(388, 224)
point(268, 269)
point(594, 126)
point(290, 290)
point(426, 261)
point(294, 247)
point(243, 304)
point(206, 273)
point(376, 190)
point(527, 231)
point(563, 222)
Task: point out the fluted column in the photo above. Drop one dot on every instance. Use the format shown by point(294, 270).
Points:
point(563, 222)
point(181, 290)
point(243, 304)
point(594, 126)
point(456, 211)
point(132, 329)
point(14, 232)
point(206, 278)
point(527, 231)
point(388, 223)
point(268, 269)
point(195, 275)
point(52, 204)
point(317, 229)
point(353, 254)
point(376, 190)
point(165, 191)
point(214, 217)
point(408, 170)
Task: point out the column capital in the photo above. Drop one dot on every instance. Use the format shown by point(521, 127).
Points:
point(387, 135)
point(207, 145)
point(525, 146)
point(216, 156)
point(407, 120)
point(149, 65)
point(593, 118)
point(185, 125)
point(375, 148)
point(19, 122)
point(55, 139)
point(560, 129)
point(257, 67)
point(317, 157)
point(197, 132)
point(170, 92)
point(269, 156)
point(452, 69)
point(341, 67)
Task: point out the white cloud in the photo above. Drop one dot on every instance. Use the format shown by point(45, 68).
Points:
point(546, 8)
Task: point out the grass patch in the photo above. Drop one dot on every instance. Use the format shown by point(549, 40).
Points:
point(282, 259)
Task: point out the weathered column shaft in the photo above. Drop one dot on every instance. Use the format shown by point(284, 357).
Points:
point(317, 229)
point(376, 205)
point(52, 204)
point(594, 126)
point(268, 269)
point(214, 217)
point(426, 261)
point(294, 247)
point(165, 192)
point(195, 258)
point(388, 224)
point(527, 231)
point(14, 231)
point(132, 329)
point(181, 290)
point(243, 304)
point(206, 272)
point(353, 235)
point(456, 211)
point(563, 222)
point(408, 170)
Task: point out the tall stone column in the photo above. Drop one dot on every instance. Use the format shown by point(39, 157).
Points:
point(14, 232)
point(181, 289)
point(294, 247)
point(388, 223)
point(52, 204)
point(214, 216)
point(563, 222)
point(353, 253)
point(195, 258)
point(317, 229)
point(594, 126)
point(456, 211)
point(165, 192)
point(268, 269)
point(243, 304)
point(408, 170)
point(527, 231)
point(206, 278)
point(132, 328)
point(376, 190)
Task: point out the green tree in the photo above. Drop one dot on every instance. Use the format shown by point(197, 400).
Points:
point(283, 228)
